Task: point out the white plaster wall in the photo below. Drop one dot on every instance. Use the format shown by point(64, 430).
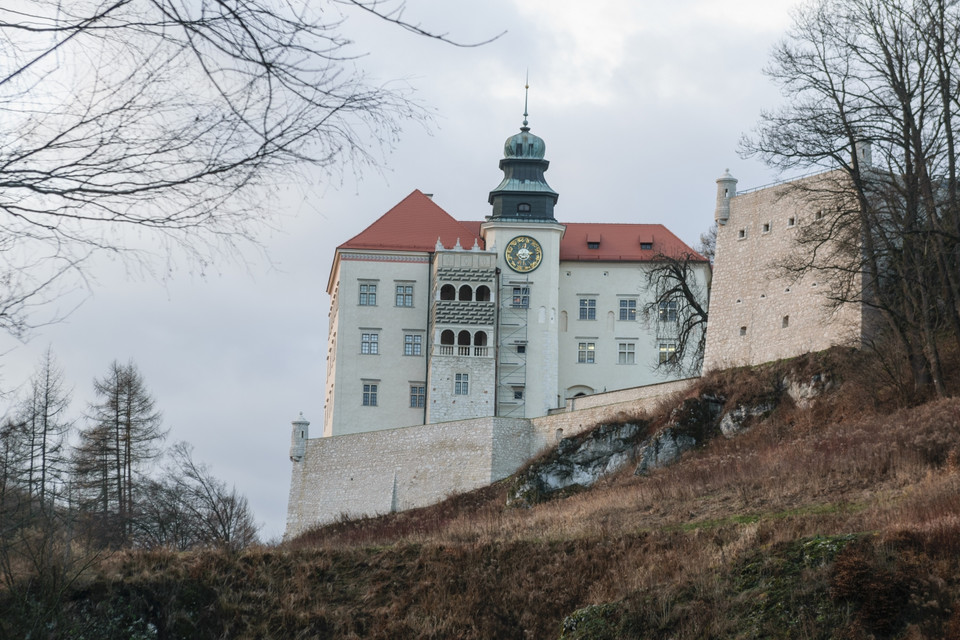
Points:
point(392, 371)
point(608, 283)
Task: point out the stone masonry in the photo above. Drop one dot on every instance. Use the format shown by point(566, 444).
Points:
point(756, 314)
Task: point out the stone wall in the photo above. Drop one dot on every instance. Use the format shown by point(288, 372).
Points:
point(382, 471)
point(756, 314)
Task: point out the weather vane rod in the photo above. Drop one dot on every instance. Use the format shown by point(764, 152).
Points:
point(526, 95)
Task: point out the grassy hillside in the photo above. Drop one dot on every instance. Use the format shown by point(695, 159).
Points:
point(838, 519)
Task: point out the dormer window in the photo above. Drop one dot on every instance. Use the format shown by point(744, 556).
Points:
point(523, 207)
point(593, 245)
point(646, 246)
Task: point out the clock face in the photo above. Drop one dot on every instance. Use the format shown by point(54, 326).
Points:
point(523, 254)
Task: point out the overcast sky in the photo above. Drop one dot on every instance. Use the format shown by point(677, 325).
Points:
point(641, 105)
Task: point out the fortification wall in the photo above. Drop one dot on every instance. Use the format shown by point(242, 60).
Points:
point(756, 314)
point(382, 471)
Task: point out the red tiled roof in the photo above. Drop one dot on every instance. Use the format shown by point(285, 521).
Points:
point(620, 242)
point(414, 224)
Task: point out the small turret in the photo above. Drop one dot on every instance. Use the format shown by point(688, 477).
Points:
point(298, 438)
point(863, 151)
point(726, 189)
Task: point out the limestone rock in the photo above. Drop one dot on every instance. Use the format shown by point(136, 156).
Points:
point(735, 421)
point(577, 462)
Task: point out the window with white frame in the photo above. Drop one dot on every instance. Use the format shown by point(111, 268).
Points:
point(370, 343)
point(668, 352)
point(588, 308)
point(627, 353)
point(667, 311)
point(461, 384)
point(369, 394)
point(412, 344)
point(628, 309)
point(404, 295)
point(418, 396)
point(586, 352)
point(521, 297)
point(368, 295)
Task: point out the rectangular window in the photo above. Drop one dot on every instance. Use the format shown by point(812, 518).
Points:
point(593, 245)
point(368, 295)
point(370, 343)
point(646, 246)
point(588, 308)
point(586, 352)
point(404, 295)
point(667, 311)
point(461, 385)
point(668, 352)
point(412, 344)
point(518, 393)
point(418, 396)
point(628, 310)
point(521, 297)
point(369, 395)
point(521, 348)
point(627, 353)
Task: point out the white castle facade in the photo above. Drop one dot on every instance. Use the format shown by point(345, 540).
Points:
point(460, 349)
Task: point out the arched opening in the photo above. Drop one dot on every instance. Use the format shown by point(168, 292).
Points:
point(480, 339)
point(446, 337)
point(483, 293)
point(463, 338)
point(448, 292)
point(466, 293)
point(580, 395)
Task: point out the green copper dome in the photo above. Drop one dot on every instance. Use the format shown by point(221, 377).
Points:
point(524, 145)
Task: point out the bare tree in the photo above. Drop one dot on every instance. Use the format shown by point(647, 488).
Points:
point(679, 309)
point(872, 88)
point(217, 515)
point(169, 116)
point(123, 436)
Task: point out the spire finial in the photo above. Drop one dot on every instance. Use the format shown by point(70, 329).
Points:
point(526, 95)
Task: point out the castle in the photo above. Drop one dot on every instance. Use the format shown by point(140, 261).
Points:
point(457, 350)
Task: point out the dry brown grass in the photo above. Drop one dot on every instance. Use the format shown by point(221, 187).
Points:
point(777, 532)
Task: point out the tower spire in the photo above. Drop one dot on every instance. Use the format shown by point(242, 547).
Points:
point(526, 95)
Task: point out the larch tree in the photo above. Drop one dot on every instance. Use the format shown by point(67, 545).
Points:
point(124, 434)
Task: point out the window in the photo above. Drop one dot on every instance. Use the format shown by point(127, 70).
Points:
point(667, 311)
point(586, 352)
point(368, 295)
point(741, 234)
point(523, 207)
point(766, 227)
point(461, 385)
point(404, 295)
point(369, 395)
point(412, 344)
point(785, 322)
point(418, 396)
point(521, 297)
point(668, 353)
point(743, 331)
point(588, 308)
point(628, 310)
point(646, 246)
point(593, 245)
point(791, 221)
point(370, 343)
point(518, 393)
point(627, 353)
point(521, 348)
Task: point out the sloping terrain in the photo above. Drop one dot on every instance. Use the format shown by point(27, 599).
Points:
point(832, 514)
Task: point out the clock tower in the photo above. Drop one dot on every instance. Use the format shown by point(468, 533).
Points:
point(526, 237)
